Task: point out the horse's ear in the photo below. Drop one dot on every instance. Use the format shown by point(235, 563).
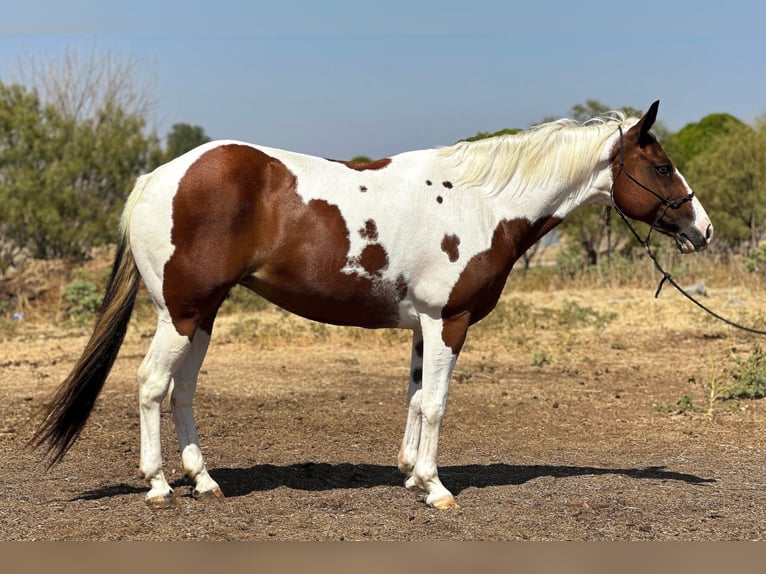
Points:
point(639, 133)
point(647, 121)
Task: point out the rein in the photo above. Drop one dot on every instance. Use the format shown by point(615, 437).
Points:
point(668, 204)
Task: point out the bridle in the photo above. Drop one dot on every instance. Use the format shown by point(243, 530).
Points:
point(667, 204)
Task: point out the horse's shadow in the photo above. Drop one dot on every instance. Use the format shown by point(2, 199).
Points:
point(312, 476)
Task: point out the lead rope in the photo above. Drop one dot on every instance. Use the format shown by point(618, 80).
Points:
point(666, 277)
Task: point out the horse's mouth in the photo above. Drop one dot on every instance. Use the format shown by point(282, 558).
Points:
point(694, 241)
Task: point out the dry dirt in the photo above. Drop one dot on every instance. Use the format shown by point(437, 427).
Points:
point(302, 434)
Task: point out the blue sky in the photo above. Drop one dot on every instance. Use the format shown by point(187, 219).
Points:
point(339, 78)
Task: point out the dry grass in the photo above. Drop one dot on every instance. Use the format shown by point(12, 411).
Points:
point(300, 423)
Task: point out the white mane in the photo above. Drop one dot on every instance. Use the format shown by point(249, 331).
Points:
point(564, 150)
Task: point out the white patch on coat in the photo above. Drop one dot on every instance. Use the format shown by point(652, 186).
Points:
point(411, 223)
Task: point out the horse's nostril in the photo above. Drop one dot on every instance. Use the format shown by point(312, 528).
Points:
point(709, 232)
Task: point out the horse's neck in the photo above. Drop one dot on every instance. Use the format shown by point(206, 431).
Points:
point(555, 195)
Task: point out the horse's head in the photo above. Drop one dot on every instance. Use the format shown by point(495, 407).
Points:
point(647, 187)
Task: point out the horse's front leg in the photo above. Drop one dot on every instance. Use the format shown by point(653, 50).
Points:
point(442, 341)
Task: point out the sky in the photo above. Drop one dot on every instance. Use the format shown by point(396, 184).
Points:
point(339, 78)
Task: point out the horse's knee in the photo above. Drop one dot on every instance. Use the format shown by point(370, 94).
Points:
point(432, 412)
point(152, 388)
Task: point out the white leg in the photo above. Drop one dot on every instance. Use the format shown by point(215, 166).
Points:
point(165, 354)
point(408, 453)
point(181, 398)
point(438, 362)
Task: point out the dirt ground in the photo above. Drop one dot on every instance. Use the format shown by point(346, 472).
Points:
point(551, 434)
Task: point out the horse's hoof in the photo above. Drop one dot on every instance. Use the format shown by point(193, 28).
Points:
point(212, 495)
point(411, 483)
point(444, 503)
point(160, 502)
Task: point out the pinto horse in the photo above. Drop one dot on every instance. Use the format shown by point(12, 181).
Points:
point(423, 241)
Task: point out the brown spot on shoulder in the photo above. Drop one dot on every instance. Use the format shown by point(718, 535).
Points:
point(447, 184)
point(369, 231)
point(450, 246)
point(364, 165)
point(374, 259)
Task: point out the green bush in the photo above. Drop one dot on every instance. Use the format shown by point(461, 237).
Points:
point(83, 299)
point(540, 358)
point(573, 315)
point(570, 261)
point(749, 378)
point(755, 261)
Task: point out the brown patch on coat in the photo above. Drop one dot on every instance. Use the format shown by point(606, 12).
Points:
point(238, 219)
point(450, 245)
point(364, 165)
point(369, 231)
point(374, 259)
point(481, 282)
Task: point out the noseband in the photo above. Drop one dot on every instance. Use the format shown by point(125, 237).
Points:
point(664, 201)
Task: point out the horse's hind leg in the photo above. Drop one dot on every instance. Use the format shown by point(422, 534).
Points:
point(184, 385)
point(166, 353)
point(408, 454)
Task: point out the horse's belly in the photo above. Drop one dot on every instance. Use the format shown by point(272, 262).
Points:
point(347, 300)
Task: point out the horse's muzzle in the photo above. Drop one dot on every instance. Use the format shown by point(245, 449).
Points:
point(694, 239)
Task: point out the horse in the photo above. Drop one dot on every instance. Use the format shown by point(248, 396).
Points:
point(422, 240)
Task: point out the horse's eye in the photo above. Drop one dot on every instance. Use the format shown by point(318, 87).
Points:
point(664, 169)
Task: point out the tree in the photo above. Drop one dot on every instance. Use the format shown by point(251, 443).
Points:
point(22, 159)
point(696, 138)
point(729, 176)
point(485, 135)
point(69, 158)
point(594, 109)
point(80, 87)
point(182, 138)
point(62, 181)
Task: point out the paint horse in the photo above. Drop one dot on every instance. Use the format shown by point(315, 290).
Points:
point(423, 241)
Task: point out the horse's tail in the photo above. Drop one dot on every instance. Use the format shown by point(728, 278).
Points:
point(74, 399)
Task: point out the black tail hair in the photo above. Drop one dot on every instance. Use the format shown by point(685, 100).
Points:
point(74, 399)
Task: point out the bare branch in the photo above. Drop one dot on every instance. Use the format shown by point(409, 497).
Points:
point(79, 87)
